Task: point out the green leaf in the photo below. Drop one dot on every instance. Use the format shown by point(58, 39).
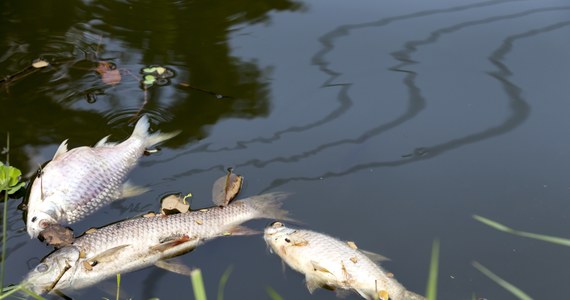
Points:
point(9, 178)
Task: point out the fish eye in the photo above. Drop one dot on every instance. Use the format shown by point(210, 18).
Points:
point(42, 267)
point(287, 240)
point(34, 219)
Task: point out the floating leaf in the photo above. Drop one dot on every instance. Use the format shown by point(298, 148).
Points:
point(149, 70)
point(226, 188)
point(160, 70)
point(39, 63)
point(173, 204)
point(149, 79)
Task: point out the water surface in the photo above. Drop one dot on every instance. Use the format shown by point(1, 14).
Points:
point(391, 122)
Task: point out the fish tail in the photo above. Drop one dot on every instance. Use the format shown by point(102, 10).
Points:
point(141, 131)
point(268, 206)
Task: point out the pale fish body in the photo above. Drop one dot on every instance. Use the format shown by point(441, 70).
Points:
point(333, 264)
point(77, 182)
point(137, 243)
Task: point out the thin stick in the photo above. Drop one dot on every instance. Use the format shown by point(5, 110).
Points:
point(5, 219)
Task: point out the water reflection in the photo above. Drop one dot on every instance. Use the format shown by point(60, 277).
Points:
point(519, 108)
point(190, 37)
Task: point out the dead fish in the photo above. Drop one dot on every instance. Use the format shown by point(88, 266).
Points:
point(333, 264)
point(77, 182)
point(141, 242)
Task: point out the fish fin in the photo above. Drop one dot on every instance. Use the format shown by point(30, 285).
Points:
point(312, 283)
point(103, 142)
point(319, 268)
point(173, 266)
point(341, 293)
point(375, 257)
point(241, 230)
point(107, 255)
point(130, 190)
point(141, 131)
point(268, 205)
point(171, 242)
point(62, 149)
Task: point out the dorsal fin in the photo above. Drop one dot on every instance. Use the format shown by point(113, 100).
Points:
point(103, 142)
point(375, 257)
point(62, 149)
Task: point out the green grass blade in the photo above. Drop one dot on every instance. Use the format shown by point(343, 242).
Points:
point(503, 228)
point(273, 294)
point(223, 282)
point(32, 294)
point(12, 291)
point(498, 280)
point(4, 219)
point(118, 285)
point(431, 290)
point(198, 284)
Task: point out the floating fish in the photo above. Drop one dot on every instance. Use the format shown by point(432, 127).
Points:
point(141, 242)
point(333, 264)
point(77, 182)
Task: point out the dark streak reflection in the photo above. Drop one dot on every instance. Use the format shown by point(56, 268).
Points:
point(416, 103)
point(520, 111)
point(328, 41)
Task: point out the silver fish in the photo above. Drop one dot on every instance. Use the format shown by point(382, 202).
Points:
point(77, 182)
point(333, 264)
point(137, 243)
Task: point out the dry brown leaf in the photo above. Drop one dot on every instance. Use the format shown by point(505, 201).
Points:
point(352, 245)
point(57, 235)
point(173, 204)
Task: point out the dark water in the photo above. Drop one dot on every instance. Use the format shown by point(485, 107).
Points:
point(392, 123)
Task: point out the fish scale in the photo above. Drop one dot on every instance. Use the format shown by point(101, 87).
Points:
point(76, 183)
point(137, 243)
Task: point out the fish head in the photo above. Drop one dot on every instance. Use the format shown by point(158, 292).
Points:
point(37, 220)
point(48, 274)
point(39, 212)
point(277, 235)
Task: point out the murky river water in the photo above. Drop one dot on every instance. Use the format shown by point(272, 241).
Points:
point(391, 122)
